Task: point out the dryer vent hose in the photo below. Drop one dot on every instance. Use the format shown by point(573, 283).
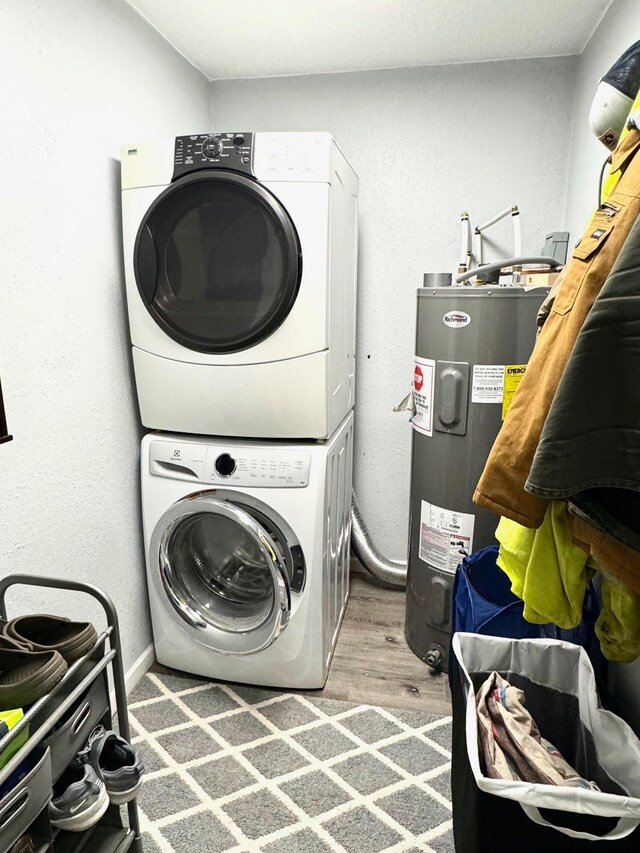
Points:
point(390, 572)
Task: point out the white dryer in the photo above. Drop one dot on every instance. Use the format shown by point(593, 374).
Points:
point(240, 269)
point(247, 550)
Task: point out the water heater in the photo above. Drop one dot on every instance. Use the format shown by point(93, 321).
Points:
point(472, 348)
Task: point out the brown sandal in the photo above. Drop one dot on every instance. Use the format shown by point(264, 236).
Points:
point(27, 676)
point(42, 633)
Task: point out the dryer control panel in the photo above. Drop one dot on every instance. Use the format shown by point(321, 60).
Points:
point(233, 466)
point(213, 151)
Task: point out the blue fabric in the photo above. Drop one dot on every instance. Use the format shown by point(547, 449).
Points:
point(484, 604)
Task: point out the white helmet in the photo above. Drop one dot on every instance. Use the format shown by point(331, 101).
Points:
point(614, 97)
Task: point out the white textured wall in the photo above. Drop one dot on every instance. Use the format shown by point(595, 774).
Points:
point(427, 143)
point(619, 29)
point(79, 77)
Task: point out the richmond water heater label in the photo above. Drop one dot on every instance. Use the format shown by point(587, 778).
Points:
point(445, 536)
point(488, 383)
point(424, 377)
point(456, 319)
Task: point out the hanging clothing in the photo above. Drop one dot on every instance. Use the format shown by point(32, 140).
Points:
point(501, 486)
point(550, 572)
point(615, 559)
point(618, 626)
point(612, 177)
point(550, 298)
point(546, 569)
point(589, 450)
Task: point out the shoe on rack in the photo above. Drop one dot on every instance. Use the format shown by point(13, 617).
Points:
point(44, 633)
point(116, 762)
point(79, 798)
point(23, 845)
point(9, 643)
point(27, 676)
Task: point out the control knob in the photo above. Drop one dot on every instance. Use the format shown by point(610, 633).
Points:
point(211, 147)
point(225, 465)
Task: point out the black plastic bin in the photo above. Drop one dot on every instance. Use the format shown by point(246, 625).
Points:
point(484, 823)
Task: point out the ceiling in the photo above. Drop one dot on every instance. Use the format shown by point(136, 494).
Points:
point(265, 38)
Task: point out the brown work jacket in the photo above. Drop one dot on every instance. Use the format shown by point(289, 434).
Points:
point(502, 485)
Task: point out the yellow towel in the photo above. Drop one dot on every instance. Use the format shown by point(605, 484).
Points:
point(550, 574)
point(618, 626)
point(547, 571)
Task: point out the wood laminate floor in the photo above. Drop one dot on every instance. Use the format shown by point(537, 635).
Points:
point(372, 663)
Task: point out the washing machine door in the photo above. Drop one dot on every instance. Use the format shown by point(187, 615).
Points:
point(217, 261)
point(223, 573)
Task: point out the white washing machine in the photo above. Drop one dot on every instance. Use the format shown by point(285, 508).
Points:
point(240, 267)
point(247, 550)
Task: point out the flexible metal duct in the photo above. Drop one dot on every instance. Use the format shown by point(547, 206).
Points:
point(390, 572)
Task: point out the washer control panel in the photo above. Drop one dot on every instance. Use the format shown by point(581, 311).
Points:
point(231, 151)
point(234, 466)
point(255, 467)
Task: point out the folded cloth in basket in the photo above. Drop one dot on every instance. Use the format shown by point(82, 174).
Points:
point(510, 744)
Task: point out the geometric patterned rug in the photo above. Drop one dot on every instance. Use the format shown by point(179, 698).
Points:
point(247, 770)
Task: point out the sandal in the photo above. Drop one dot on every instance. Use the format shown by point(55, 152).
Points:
point(27, 676)
point(43, 633)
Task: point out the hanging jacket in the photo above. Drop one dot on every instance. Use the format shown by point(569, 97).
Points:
point(589, 450)
point(502, 485)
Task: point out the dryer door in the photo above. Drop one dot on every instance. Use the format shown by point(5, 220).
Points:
point(217, 262)
point(222, 573)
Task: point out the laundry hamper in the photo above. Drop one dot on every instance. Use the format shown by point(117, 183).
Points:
point(484, 604)
point(560, 691)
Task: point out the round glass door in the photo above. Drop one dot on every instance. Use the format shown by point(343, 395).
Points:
point(217, 262)
point(223, 573)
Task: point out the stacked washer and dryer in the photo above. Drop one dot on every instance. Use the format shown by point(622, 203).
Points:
point(240, 266)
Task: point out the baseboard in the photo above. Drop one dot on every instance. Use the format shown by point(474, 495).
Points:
point(136, 671)
point(139, 667)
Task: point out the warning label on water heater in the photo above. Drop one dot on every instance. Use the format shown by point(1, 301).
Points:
point(445, 536)
point(513, 375)
point(424, 375)
point(488, 383)
point(496, 383)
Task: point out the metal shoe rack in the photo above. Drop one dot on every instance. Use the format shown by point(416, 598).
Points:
point(59, 724)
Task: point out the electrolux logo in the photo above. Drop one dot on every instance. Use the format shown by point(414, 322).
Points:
point(456, 319)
